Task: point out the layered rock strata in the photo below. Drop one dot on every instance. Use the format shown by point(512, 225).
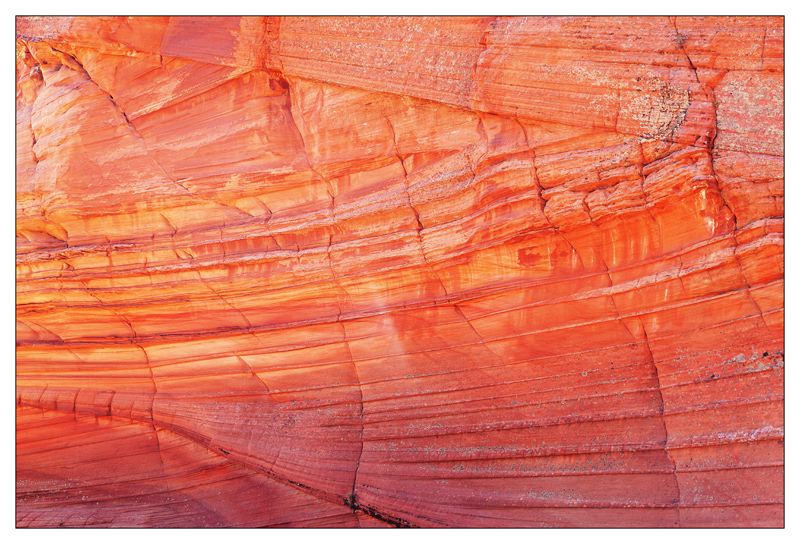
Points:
point(400, 271)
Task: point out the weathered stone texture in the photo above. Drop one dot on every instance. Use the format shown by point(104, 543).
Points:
point(405, 271)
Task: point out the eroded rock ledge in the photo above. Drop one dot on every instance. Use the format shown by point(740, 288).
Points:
point(412, 272)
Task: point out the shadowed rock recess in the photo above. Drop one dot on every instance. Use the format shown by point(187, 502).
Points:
point(425, 272)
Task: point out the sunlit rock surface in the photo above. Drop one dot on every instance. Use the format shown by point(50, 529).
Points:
point(413, 272)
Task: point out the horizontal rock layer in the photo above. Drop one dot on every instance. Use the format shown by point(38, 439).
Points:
point(400, 271)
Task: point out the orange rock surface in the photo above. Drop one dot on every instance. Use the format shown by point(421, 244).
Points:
point(400, 271)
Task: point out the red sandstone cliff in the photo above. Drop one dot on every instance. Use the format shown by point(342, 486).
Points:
point(428, 272)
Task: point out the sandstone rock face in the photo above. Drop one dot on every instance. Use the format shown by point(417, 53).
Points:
point(400, 271)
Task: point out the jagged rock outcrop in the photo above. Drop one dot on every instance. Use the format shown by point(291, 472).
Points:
point(400, 271)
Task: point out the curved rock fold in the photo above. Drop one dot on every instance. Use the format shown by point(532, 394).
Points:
point(400, 271)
